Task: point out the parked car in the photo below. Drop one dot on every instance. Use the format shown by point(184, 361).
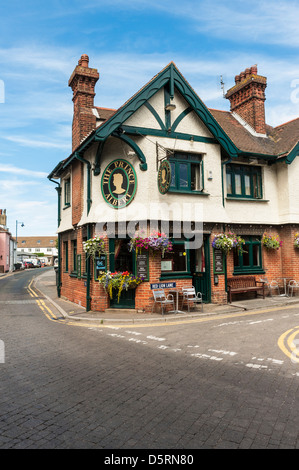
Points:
point(29, 264)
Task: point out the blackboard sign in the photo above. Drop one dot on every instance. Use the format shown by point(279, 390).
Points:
point(142, 265)
point(218, 262)
point(99, 265)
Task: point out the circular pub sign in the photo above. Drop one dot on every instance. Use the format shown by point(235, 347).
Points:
point(164, 176)
point(119, 183)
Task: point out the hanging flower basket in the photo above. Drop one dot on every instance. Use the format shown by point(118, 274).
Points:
point(296, 240)
point(155, 242)
point(119, 281)
point(228, 241)
point(271, 242)
point(94, 247)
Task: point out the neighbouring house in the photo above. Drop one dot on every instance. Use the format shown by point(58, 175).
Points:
point(165, 160)
point(7, 246)
point(43, 247)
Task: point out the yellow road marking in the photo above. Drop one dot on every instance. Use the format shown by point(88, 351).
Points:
point(287, 345)
point(287, 337)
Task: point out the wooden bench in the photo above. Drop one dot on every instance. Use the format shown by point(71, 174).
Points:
point(237, 285)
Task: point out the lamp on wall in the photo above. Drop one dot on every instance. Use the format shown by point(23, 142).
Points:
point(170, 106)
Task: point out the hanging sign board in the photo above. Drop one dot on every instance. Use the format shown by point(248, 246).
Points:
point(164, 177)
point(119, 183)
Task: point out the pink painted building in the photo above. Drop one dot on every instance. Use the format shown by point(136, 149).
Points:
point(7, 246)
point(4, 250)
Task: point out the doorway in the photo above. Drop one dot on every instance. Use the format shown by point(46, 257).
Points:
point(121, 259)
point(200, 268)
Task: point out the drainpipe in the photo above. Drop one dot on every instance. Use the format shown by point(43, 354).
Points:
point(58, 280)
point(88, 297)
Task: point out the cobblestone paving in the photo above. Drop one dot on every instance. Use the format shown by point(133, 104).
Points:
point(69, 387)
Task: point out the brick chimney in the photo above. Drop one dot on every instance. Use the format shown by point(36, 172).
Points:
point(82, 82)
point(247, 98)
point(3, 217)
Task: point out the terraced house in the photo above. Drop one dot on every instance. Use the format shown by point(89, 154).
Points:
point(165, 158)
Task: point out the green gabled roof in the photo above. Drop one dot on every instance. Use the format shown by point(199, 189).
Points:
point(171, 76)
point(224, 132)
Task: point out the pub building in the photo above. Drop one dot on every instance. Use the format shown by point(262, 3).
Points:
point(164, 162)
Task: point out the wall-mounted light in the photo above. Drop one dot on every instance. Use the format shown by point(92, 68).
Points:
point(170, 106)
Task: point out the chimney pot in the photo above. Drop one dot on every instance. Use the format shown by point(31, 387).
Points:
point(247, 99)
point(84, 60)
point(237, 78)
point(82, 82)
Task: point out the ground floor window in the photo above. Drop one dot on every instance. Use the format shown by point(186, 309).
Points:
point(250, 261)
point(176, 262)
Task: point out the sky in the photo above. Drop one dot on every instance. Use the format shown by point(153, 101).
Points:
point(128, 41)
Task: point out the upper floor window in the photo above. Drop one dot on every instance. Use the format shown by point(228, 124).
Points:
point(67, 192)
point(244, 181)
point(186, 172)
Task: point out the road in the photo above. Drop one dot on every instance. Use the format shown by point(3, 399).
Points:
point(207, 383)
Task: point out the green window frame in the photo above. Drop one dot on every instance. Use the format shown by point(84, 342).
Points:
point(67, 192)
point(180, 246)
point(187, 174)
point(66, 256)
point(244, 181)
point(250, 261)
point(74, 257)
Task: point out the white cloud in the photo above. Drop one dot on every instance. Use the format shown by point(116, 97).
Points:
point(6, 168)
point(37, 143)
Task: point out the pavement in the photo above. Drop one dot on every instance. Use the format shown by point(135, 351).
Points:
point(46, 284)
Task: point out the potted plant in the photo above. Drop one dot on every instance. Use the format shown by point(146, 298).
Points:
point(227, 241)
point(119, 281)
point(155, 242)
point(271, 241)
point(94, 247)
point(296, 240)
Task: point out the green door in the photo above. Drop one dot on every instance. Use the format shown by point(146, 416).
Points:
point(200, 265)
point(122, 260)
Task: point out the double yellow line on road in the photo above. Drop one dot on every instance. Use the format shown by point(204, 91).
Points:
point(289, 344)
point(49, 314)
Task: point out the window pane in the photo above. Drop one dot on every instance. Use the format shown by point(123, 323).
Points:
point(172, 183)
point(256, 255)
point(179, 261)
point(183, 175)
point(246, 261)
point(195, 177)
point(229, 183)
point(238, 187)
point(257, 185)
point(247, 185)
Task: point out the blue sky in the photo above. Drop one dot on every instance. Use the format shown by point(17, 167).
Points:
point(128, 41)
